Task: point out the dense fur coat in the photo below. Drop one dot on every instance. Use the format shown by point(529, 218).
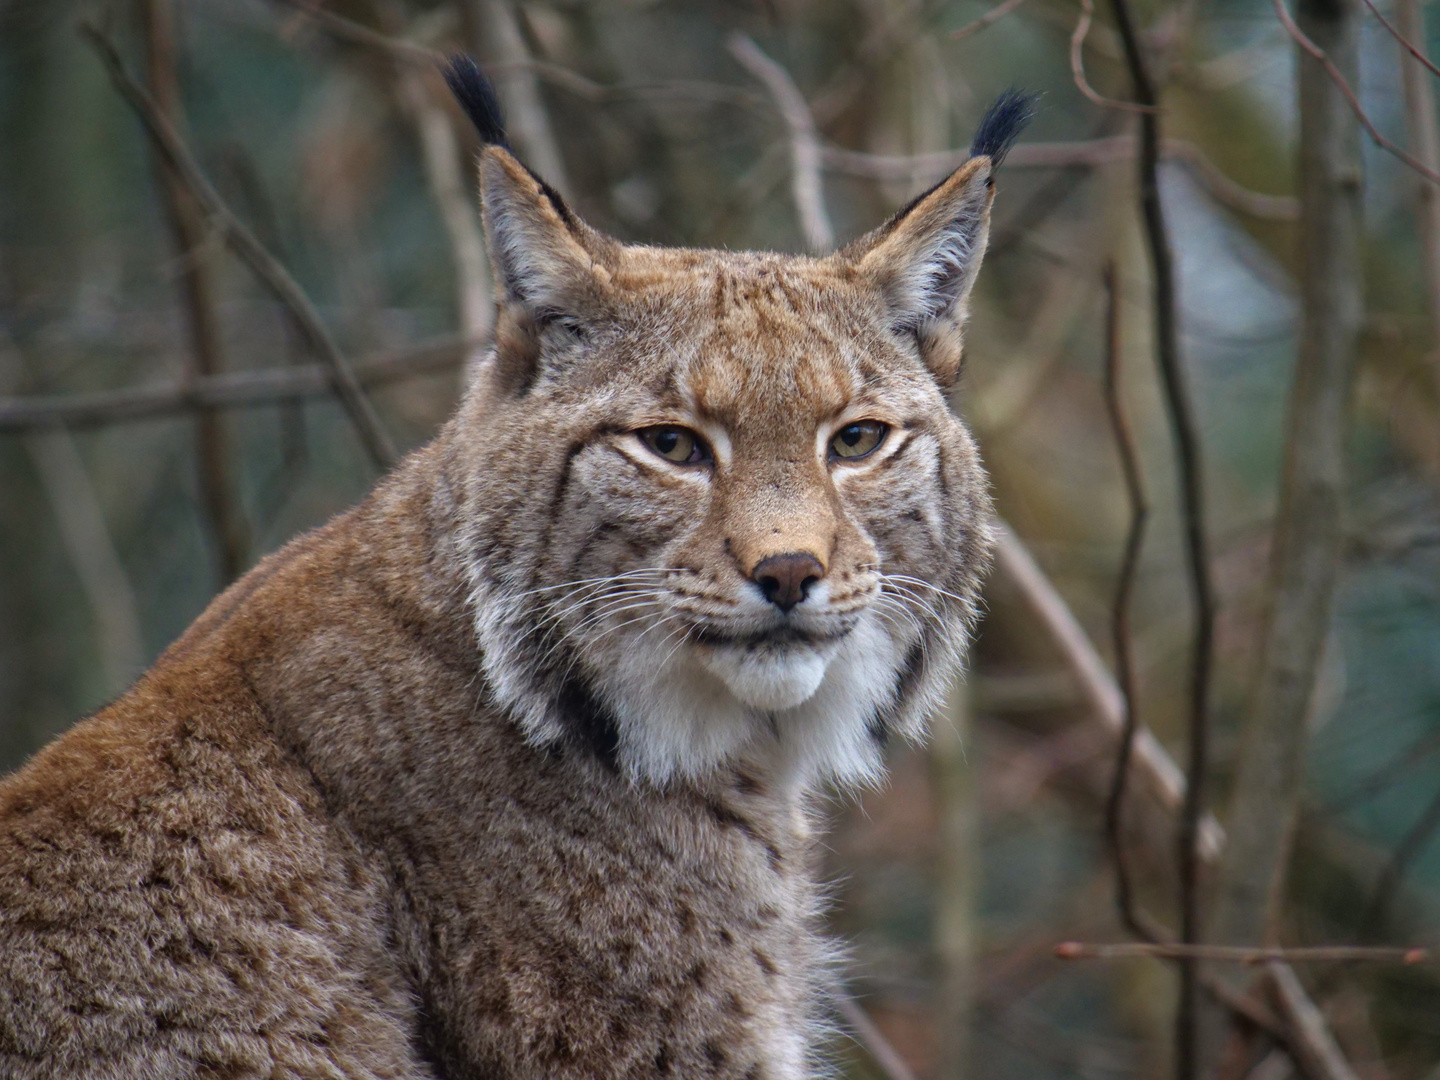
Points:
point(505, 772)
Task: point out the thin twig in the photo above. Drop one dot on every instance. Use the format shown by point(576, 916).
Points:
point(219, 508)
point(1087, 153)
point(994, 15)
point(87, 540)
point(440, 152)
point(1410, 847)
point(806, 187)
point(250, 251)
point(869, 1036)
point(1423, 133)
point(1015, 564)
point(1314, 1047)
point(1187, 451)
point(494, 27)
point(236, 389)
point(398, 49)
point(1124, 589)
point(1412, 757)
point(1235, 954)
point(1404, 42)
point(1077, 64)
point(1318, 54)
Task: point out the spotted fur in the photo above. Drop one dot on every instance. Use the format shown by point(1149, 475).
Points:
point(507, 772)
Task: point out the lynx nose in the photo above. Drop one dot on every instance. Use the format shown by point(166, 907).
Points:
point(786, 579)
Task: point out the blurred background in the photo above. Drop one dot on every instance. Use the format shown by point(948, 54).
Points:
point(169, 414)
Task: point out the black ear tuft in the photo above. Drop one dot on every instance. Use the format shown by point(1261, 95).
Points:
point(1003, 123)
point(476, 95)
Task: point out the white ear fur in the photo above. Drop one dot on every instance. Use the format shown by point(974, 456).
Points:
point(545, 259)
point(924, 262)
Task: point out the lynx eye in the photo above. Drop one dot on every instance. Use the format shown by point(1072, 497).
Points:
point(857, 439)
point(677, 444)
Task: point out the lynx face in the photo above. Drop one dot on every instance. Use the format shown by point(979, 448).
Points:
point(715, 505)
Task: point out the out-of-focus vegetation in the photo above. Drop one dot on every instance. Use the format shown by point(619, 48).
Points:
point(318, 142)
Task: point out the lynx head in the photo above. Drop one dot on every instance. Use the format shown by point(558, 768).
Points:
point(714, 506)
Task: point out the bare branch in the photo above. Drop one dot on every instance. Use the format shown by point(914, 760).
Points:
point(398, 49)
point(441, 153)
point(1083, 153)
point(864, 1031)
point(1235, 954)
point(236, 389)
point(1319, 55)
point(1192, 504)
point(1403, 40)
point(1077, 64)
point(1308, 539)
point(994, 15)
point(806, 187)
point(1120, 617)
point(1411, 846)
point(494, 27)
point(86, 540)
point(250, 251)
point(354, 33)
point(1424, 136)
point(218, 505)
point(1314, 1047)
point(1160, 774)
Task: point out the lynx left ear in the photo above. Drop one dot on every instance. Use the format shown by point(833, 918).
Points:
point(924, 260)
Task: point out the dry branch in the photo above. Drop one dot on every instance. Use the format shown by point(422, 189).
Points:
point(1406, 37)
point(1314, 1047)
point(250, 251)
point(218, 504)
point(1424, 136)
point(237, 389)
point(806, 186)
point(1077, 65)
point(398, 49)
point(1192, 510)
point(494, 27)
point(453, 198)
point(1308, 537)
point(1342, 84)
point(1237, 954)
point(994, 15)
point(864, 1031)
point(1082, 153)
point(1153, 765)
point(1120, 614)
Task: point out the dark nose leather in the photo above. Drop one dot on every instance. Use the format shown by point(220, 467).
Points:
point(786, 579)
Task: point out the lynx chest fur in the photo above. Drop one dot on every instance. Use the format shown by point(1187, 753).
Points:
point(507, 772)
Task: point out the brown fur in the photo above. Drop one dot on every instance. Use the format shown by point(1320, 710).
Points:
point(325, 837)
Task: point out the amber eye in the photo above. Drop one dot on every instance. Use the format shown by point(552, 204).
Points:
point(677, 444)
point(857, 439)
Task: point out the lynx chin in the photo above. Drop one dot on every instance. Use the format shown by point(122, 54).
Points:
point(508, 771)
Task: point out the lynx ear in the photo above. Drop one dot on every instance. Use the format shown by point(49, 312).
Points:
point(549, 266)
point(924, 260)
point(546, 260)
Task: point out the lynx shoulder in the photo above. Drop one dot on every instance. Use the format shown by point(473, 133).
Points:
point(506, 771)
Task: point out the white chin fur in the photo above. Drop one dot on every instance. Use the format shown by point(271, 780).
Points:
point(768, 678)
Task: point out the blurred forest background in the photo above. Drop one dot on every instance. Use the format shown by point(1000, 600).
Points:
point(187, 380)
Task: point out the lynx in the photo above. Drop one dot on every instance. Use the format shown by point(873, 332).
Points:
point(509, 771)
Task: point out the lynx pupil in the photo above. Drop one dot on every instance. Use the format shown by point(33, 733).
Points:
point(858, 439)
point(675, 444)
